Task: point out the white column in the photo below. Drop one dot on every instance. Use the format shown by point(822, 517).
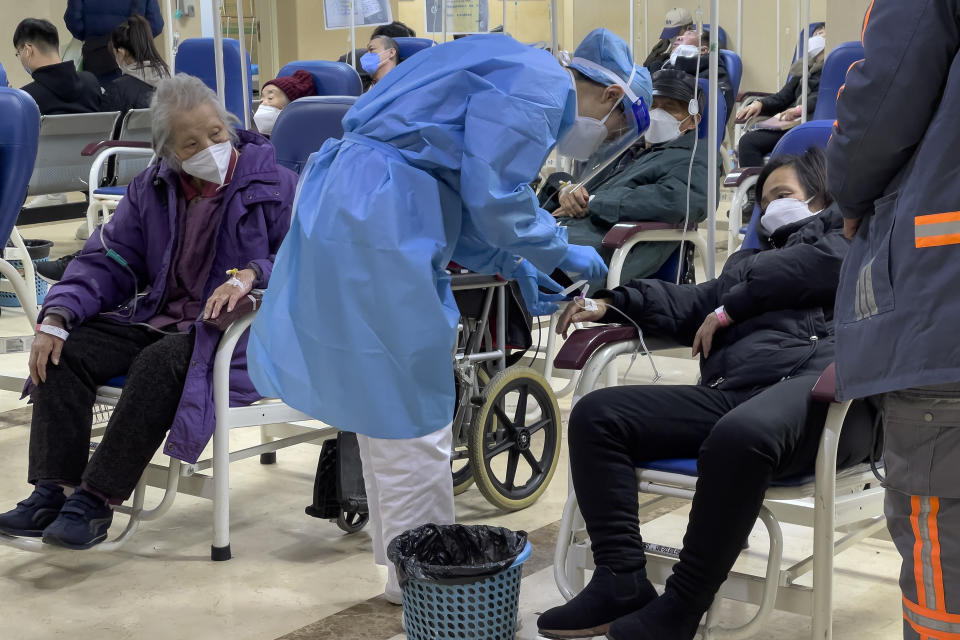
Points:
point(712, 139)
point(806, 63)
point(244, 83)
point(214, 7)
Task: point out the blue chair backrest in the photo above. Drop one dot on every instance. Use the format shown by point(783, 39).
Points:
point(410, 46)
point(734, 66)
point(815, 133)
point(3, 76)
point(833, 76)
point(331, 78)
point(721, 35)
point(19, 136)
point(305, 124)
point(195, 56)
point(704, 129)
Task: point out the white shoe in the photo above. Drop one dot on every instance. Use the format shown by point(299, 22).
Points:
point(83, 231)
point(46, 200)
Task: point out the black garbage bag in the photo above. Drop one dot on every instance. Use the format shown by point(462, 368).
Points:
point(454, 554)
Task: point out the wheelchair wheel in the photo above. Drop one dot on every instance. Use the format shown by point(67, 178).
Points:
point(460, 467)
point(352, 521)
point(515, 440)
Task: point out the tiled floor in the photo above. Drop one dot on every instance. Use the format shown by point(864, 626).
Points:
point(300, 578)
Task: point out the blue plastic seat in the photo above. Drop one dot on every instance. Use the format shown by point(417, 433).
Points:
point(120, 191)
point(833, 76)
point(721, 35)
point(331, 78)
point(195, 57)
point(410, 46)
point(305, 124)
point(688, 467)
point(19, 136)
point(118, 382)
point(704, 129)
point(3, 76)
point(734, 66)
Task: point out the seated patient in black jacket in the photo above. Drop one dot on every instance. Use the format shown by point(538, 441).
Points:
point(764, 330)
point(57, 86)
point(141, 66)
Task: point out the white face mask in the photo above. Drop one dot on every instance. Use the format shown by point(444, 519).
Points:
point(684, 51)
point(663, 127)
point(815, 45)
point(785, 211)
point(211, 164)
point(265, 117)
point(584, 137)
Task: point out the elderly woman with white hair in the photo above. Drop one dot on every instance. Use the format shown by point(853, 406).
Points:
point(196, 232)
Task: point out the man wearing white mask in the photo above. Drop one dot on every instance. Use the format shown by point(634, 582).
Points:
point(277, 94)
point(648, 183)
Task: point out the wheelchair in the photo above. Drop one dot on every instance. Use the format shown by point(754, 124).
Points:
point(506, 426)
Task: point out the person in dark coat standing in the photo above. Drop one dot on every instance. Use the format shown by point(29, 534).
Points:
point(893, 168)
point(92, 22)
point(140, 63)
point(764, 328)
point(57, 86)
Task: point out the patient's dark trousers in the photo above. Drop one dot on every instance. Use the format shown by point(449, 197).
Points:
point(156, 367)
point(743, 441)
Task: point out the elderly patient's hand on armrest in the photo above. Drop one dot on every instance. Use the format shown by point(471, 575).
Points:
point(229, 293)
point(582, 310)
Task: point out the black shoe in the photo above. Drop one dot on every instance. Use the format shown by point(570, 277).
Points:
point(608, 597)
point(34, 514)
point(665, 617)
point(52, 270)
point(83, 522)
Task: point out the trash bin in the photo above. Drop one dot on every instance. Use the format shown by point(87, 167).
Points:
point(460, 582)
point(39, 251)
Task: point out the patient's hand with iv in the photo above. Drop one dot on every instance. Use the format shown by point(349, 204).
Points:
point(582, 310)
point(239, 283)
point(47, 346)
point(574, 203)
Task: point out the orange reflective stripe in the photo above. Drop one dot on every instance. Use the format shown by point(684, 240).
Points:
point(937, 218)
point(866, 21)
point(917, 548)
point(942, 616)
point(938, 241)
point(935, 555)
point(930, 634)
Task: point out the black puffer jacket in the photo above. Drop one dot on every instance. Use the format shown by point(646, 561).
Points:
point(781, 300)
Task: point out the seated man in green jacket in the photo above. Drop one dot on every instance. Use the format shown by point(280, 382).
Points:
point(647, 184)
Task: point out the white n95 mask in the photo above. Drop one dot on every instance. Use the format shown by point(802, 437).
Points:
point(684, 51)
point(785, 211)
point(211, 164)
point(265, 117)
point(663, 127)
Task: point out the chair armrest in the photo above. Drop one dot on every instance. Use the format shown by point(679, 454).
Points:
point(248, 304)
point(736, 178)
point(621, 233)
point(583, 343)
point(743, 95)
point(96, 147)
point(826, 388)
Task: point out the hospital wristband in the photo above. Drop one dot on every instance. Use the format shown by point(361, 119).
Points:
point(725, 320)
point(52, 330)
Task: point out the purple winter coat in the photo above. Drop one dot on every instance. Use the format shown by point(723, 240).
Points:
point(258, 203)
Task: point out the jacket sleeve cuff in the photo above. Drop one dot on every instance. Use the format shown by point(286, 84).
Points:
point(261, 281)
point(69, 318)
point(737, 304)
point(618, 299)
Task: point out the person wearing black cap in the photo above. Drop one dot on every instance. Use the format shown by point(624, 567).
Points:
point(648, 183)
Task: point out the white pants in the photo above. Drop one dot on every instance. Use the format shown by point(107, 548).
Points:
point(408, 484)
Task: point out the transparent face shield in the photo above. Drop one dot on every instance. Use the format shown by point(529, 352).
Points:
point(631, 114)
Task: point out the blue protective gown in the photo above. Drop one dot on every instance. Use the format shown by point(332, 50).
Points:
point(358, 326)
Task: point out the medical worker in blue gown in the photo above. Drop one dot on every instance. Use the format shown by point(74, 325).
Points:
point(359, 324)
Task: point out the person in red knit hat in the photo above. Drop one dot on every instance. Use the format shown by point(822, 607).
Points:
point(278, 93)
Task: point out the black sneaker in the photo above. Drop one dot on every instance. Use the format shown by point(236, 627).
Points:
point(34, 514)
point(608, 597)
point(83, 522)
point(52, 270)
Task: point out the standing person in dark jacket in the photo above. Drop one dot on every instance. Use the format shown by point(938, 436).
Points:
point(750, 420)
point(757, 144)
point(57, 86)
point(140, 63)
point(893, 170)
point(92, 22)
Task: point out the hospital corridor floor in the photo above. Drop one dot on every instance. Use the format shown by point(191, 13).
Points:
point(294, 577)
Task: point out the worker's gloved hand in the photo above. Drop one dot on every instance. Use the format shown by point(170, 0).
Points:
point(584, 262)
point(530, 280)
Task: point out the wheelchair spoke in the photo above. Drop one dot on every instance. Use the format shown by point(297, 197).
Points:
point(520, 416)
point(532, 461)
point(495, 451)
point(504, 420)
point(540, 425)
point(512, 461)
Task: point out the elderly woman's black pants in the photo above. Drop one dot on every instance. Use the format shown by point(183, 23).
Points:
point(742, 440)
point(156, 367)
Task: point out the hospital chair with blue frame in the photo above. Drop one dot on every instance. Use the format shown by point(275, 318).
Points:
point(828, 500)
point(831, 80)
